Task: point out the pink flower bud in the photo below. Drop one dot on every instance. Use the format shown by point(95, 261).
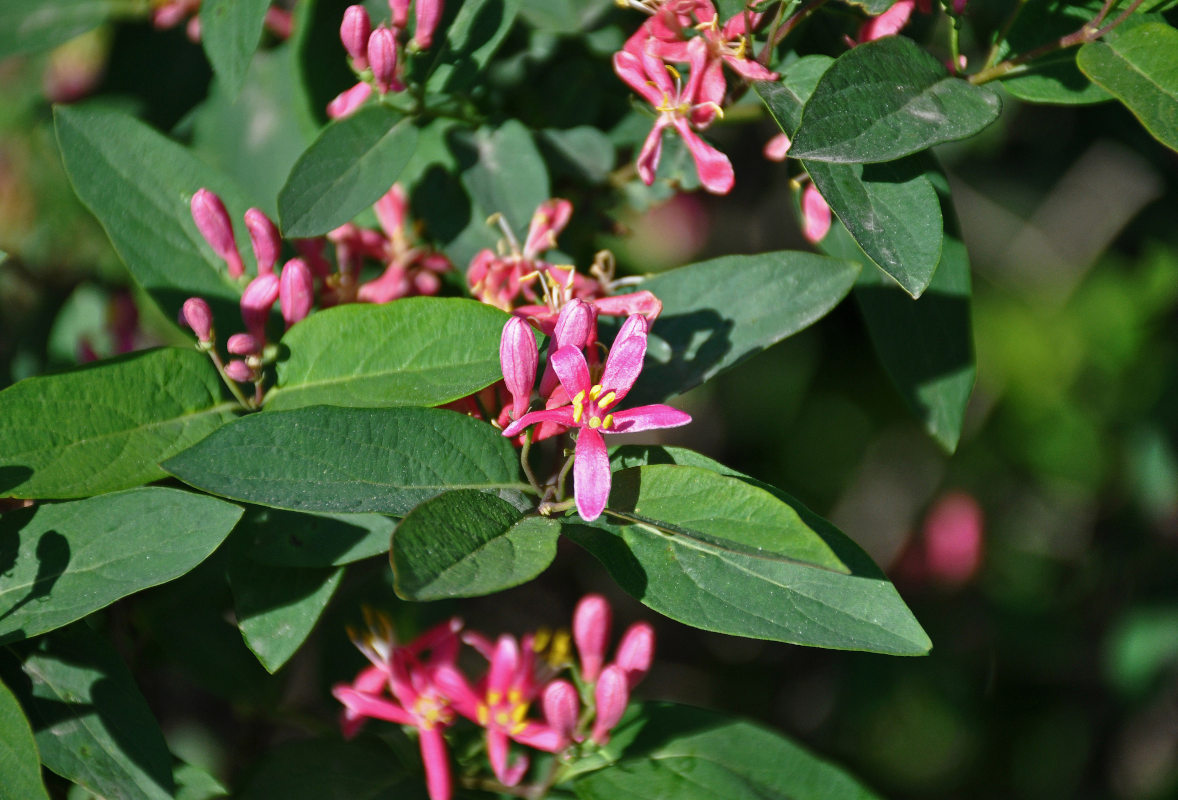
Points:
point(239, 371)
point(256, 301)
point(346, 102)
point(212, 220)
point(279, 22)
point(354, 32)
point(591, 623)
point(636, 652)
point(427, 15)
point(400, 12)
point(777, 148)
point(296, 291)
point(311, 251)
point(192, 30)
point(815, 214)
point(242, 344)
point(574, 326)
point(199, 317)
point(264, 238)
point(519, 358)
point(953, 538)
point(611, 695)
point(889, 23)
point(624, 305)
point(382, 55)
point(392, 209)
point(561, 709)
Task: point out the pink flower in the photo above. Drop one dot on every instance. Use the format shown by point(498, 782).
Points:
point(777, 148)
point(411, 269)
point(382, 56)
point(256, 301)
point(212, 220)
point(611, 695)
point(264, 238)
point(889, 23)
point(591, 411)
point(591, 624)
point(354, 32)
point(519, 358)
point(199, 317)
point(497, 280)
point(500, 704)
point(679, 106)
point(426, 14)
point(413, 696)
point(296, 291)
point(347, 101)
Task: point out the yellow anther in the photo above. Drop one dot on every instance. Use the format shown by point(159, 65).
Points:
point(494, 697)
point(579, 398)
point(595, 422)
point(578, 410)
point(674, 72)
point(607, 400)
point(502, 719)
point(596, 391)
point(483, 714)
point(514, 697)
point(518, 728)
point(608, 422)
point(541, 639)
point(519, 712)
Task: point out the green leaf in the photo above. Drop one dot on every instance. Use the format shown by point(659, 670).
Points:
point(257, 134)
point(717, 514)
point(476, 33)
point(27, 26)
point(277, 607)
point(925, 345)
point(330, 769)
point(734, 593)
point(887, 99)
point(469, 544)
point(584, 152)
point(890, 209)
point(92, 725)
point(139, 185)
point(347, 169)
point(503, 173)
point(689, 754)
point(293, 539)
point(1139, 69)
point(420, 351)
point(872, 7)
point(106, 426)
point(720, 312)
point(230, 31)
point(193, 783)
point(1053, 77)
point(20, 763)
point(349, 460)
point(75, 558)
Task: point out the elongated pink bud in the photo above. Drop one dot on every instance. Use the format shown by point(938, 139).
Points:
point(815, 214)
point(242, 344)
point(591, 624)
point(777, 148)
point(199, 317)
point(256, 301)
point(561, 709)
point(574, 326)
point(392, 209)
point(347, 101)
point(427, 14)
point(519, 358)
point(611, 695)
point(382, 56)
point(400, 12)
point(636, 652)
point(239, 371)
point(354, 32)
point(264, 238)
point(296, 291)
point(212, 220)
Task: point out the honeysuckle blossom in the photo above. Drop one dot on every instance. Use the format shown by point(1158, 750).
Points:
point(498, 278)
point(212, 220)
point(680, 106)
point(591, 411)
point(816, 217)
point(500, 703)
point(412, 696)
point(889, 23)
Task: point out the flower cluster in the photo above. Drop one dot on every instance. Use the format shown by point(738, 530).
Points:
point(410, 269)
point(170, 13)
point(420, 685)
point(377, 55)
point(579, 397)
point(688, 32)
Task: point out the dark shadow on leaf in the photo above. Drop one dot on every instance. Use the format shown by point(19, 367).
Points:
point(482, 29)
point(682, 352)
point(12, 476)
point(441, 202)
point(291, 539)
point(893, 315)
point(605, 543)
point(53, 558)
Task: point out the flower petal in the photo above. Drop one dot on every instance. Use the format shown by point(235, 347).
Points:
point(570, 366)
point(652, 149)
point(624, 362)
point(561, 416)
point(518, 357)
point(591, 474)
point(714, 168)
point(645, 418)
point(437, 764)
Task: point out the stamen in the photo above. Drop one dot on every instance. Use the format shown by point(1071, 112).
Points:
point(595, 392)
point(608, 422)
point(595, 422)
point(606, 401)
point(578, 410)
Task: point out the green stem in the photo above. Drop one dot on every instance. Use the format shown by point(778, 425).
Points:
point(234, 389)
point(525, 448)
